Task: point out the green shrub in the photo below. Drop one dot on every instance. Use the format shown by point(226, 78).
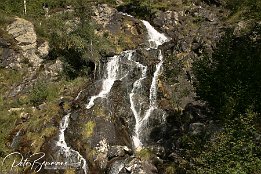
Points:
point(88, 129)
point(233, 150)
point(145, 154)
point(39, 93)
point(249, 8)
point(228, 81)
point(43, 91)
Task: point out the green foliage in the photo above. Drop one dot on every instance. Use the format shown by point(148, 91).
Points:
point(138, 9)
point(76, 48)
point(12, 6)
point(234, 150)
point(7, 119)
point(35, 7)
point(43, 91)
point(145, 9)
point(249, 8)
point(38, 94)
point(145, 154)
point(72, 38)
point(170, 169)
point(229, 80)
point(70, 33)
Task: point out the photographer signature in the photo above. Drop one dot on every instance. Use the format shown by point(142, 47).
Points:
point(35, 162)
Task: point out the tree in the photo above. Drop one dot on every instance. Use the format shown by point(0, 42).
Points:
point(24, 7)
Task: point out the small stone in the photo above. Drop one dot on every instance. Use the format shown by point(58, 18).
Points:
point(118, 151)
point(197, 128)
point(43, 49)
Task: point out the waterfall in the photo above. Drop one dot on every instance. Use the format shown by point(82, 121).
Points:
point(153, 87)
point(65, 150)
point(154, 37)
point(155, 40)
point(110, 76)
point(137, 85)
point(16, 139)
point(113, 72)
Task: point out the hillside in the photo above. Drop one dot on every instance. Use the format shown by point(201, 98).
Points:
point(129, 86)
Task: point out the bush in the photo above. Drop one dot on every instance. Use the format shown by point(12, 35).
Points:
point(249, 8)
point(38, 94)
point(228, 81)
point(43, 91)
point(234, 150)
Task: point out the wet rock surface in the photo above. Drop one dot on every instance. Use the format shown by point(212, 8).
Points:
point(103, 133)
point(194, 31)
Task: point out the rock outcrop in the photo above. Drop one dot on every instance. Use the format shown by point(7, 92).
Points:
point(124, 31)
point(103, 133)
point(194, 30)
point(24, 33)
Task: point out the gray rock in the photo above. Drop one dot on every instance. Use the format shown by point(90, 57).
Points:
point(138, 166)
point(149, 168)
point(42, 106)
point(117, 167)
point(103, 14)
point(53, 70)
point(24, 33)
point(43, 49)
point(118, 151)
point(197, 128)
point(10, 59)
point(4, 43)
point(241, 27)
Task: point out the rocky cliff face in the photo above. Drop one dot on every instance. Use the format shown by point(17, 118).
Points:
point(24, 51)
point(102, 135)
point(194, 31)
point(124, 31)
point(23, 33)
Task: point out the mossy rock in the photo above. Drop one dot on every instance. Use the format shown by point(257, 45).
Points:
point(88, 129)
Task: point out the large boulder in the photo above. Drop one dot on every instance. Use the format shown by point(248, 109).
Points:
point(24, 34)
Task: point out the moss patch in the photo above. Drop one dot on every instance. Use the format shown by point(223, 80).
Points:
point(88, 129)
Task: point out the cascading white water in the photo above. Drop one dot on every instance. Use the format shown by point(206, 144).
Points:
point(153, 87)
point(109, 77)
point(154, 37)
point(155, 40)
point(16, 139)
point(113, 72)
point(137, 85)
point(64, 148)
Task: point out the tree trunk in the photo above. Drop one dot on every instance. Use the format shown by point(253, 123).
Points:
point(24, 7)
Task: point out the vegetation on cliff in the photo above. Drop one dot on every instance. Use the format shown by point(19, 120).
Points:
point(228, 81)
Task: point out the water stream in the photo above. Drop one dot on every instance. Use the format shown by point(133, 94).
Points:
point(155, 40)
point(110, 76)
point(74, 158)
point(113, 72)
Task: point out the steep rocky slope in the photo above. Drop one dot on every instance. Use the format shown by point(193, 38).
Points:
point(43, 111)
